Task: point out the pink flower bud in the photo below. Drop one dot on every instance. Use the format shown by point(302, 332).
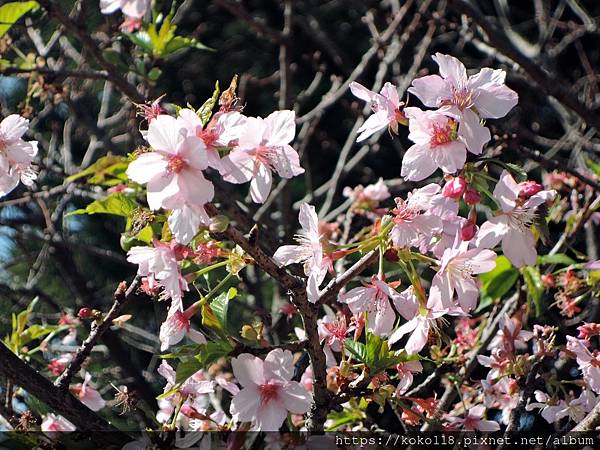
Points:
point(471, 197)
point(468, 231)
point(529, 188)
point(454, 188)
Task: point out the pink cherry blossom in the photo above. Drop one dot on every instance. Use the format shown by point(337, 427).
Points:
point(458, 265)
point(510, 336)
point(309, 251)
point(192, 392)
point(263, 147)
point(268, 393)
point(553, 410)
point(177, 326)
point(467, 99)
point(89, 396)
point(52, 423)
point(474, 421)
point(405, 375)
point(173, 174)
point(420, 322)
point(159, 264)
point(438, 145)
point(373, 299)
point(332, 333)
point(513, 222)
point(132, 8)
point(16, 154)
point(497, 362)
point(589, 363)
point(223, 130)
point(386, 108)
point(412, 224)
point(372, 193)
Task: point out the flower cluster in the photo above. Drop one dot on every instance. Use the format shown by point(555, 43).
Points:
point(16, 154)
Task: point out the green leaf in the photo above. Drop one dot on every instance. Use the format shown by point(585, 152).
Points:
point(146, 234)
point(179, 42)
point(186, 369)
point(101, 171)
point(205, 111)
point(212, 351)
point(594, 166)
point(116, 204)
point(35, 332)
point(559, 258)
point(535, 286)
point(499, 281)
point(11, 12)
point(220, 306)
point(518, 171)
point(357, 349)
point(141, 39)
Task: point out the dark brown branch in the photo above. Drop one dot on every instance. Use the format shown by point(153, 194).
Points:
point(59, 401)
point(122, 296)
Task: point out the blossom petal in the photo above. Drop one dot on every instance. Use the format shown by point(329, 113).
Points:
point(495, 101)
point(295, 398)
point(280, 127)
point(146, 166)
point(519, 247)
point(472, 133)
point(507, 191)
point(451, 68)
point(417, 163)
point(260, 186)
point(248, 370)
point(165, 134)
point(430, 90)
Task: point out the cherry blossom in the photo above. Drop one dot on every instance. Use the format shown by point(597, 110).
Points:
point(457, 267)
point(386, 108)
point(268, 393)
point(510, 336)
point(467, 99)
point(438, 145)
point(263, 147)
point(16, 154)
point(309, 251)
point(52, 423)
point(373, 299)
point(373, 193)
point(332, 332)
point(474, 421)
point(405, 375)
point(589, 363)
point(173, 174)
point(89, 396)
point(552, 410)
point(412, 224)
point(133, 8)
point(177, 326)
point(513, 222)
point(159, 264)
point(223, 130)
point(420, 322)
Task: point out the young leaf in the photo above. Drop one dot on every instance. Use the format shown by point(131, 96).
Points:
point(115, 204)
point(13, 11)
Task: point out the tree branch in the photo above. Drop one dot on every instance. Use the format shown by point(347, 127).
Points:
point(122, 296)
point(60, 401)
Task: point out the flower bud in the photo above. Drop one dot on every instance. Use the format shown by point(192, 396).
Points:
point(88, 313)
point(218, 224)
point(454, 188)
point(471, 196)
point(468, 231)
point(529, 188)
